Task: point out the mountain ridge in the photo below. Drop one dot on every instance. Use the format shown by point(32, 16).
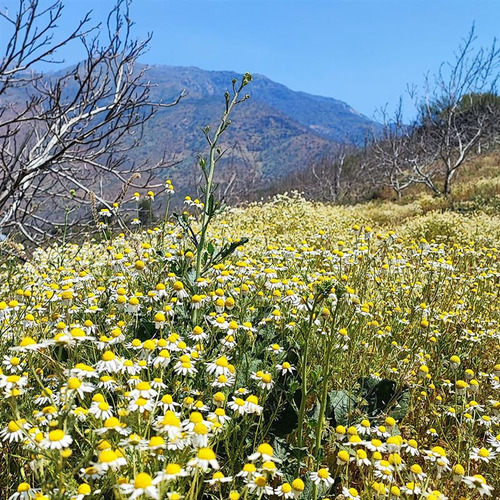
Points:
point(280, 97)
point(275, 133)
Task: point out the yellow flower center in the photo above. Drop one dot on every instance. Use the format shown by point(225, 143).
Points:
point(200, 429)
point(74, 383)
point(173, 469)
point(56, 435)
point(416, 469)
point(156, 441)
point(84, 489)
point(222, 361)
point(260, 481)
point(107, 456)
point(298, 484)
point(149, 345)
point(206, 454)
point(111, 422)
point(142, 481)
point(13, 426)
point(171, 419)
point(108, 356)
point(265, 449)
point(323, 474)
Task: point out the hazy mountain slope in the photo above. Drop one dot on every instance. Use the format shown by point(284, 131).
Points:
point(331, 118)
point(276, 132)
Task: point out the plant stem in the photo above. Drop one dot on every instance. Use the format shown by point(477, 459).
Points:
point(209, 181)
point(324, 395)
point(326, 380)
point(208, 207)
point(304, 375)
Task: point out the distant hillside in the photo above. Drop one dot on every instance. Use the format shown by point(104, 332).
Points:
point(328, 117)
point(274, 133)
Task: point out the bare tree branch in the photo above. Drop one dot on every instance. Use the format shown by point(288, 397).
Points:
point(64, 133)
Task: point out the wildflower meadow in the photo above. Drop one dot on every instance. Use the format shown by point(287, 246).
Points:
point(288, 349)
point(345, 363)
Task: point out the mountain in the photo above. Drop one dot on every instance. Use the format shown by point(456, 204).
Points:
point(274, 133)
point(328, 117)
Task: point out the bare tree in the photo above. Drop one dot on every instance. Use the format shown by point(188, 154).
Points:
point(457, 118)
point(243, 177)
point(329, 178)
point(66, 134)
point(395, 157)
point(327, 173)
point(454, 115)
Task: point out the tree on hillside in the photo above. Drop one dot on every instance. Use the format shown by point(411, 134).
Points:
point(395, 157)
point(64, 135)
point(458, 116)
point(328, 181)
point(455, 112)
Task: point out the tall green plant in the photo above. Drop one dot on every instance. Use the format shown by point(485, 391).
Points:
point(211, 207)
point(206, 253)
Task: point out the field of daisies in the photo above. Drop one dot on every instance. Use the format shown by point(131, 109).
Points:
point(322, 352)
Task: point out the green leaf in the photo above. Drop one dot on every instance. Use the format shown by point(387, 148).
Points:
point(228, 249)
point(309, 487)
point(315, 375)
point(243, 375)
point(145, 329)
point(313, 413)
point(210, 208)
point(401, 407)
point(338, 407)
point(292, 457)
point(191, 275)
point(381, 396)
point(367, 385)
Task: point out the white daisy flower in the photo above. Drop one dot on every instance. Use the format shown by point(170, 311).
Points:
point(56, 439)
point(482, 454)
point(13, 364)
point(141, 405)
point(170, 472)
point(170, 424)
point(101, 409)
point(285, 368)
point(109, 459)
point(15, 431)
point(259, 485)
point(24, 492)
point(478, 482)
point(204, 459)
point(143, 484)
point(113, 424)
point(143, 390)
point(322, 476)
point(109, 363)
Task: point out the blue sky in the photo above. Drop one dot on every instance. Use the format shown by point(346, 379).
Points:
point(364, 52)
